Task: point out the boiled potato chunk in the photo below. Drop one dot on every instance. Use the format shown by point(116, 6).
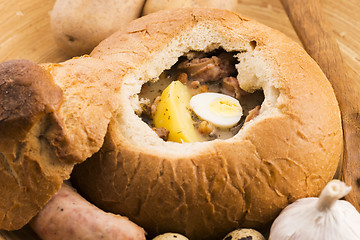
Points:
point(173, 113)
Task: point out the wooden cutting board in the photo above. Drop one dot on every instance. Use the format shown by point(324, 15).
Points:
point(25, 33)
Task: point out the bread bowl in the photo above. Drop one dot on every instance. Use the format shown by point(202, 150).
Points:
point(206, 189)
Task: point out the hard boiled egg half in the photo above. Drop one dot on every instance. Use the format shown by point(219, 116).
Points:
point(219, 109)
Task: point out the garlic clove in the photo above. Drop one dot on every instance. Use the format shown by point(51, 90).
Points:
point(323, 218)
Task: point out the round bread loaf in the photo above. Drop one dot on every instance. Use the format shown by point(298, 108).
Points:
point(204, 190)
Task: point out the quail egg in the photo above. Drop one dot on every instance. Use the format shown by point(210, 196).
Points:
point(170, 236)
point(244, 234)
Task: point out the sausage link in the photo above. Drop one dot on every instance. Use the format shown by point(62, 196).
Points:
point(69, 216)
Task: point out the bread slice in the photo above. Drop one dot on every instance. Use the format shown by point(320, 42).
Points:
point(206, 189)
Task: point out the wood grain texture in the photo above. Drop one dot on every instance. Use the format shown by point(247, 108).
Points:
point(315, 32)
point(25, 33)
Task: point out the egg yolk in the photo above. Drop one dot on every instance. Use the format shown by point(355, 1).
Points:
point(225, 107)
point(172, 113)
point(221, 110)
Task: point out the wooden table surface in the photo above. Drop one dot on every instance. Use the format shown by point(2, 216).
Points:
point(25, 33)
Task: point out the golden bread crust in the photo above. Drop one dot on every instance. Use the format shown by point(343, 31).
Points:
point(28, 120)
point(51, 117)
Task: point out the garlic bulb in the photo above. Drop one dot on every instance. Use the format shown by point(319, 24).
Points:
point(323, 218)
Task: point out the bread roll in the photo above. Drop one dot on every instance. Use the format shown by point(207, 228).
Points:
point(204, 190)
point(28, 109)
point(51, 117)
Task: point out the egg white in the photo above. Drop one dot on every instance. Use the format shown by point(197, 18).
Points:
point(219, 109)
